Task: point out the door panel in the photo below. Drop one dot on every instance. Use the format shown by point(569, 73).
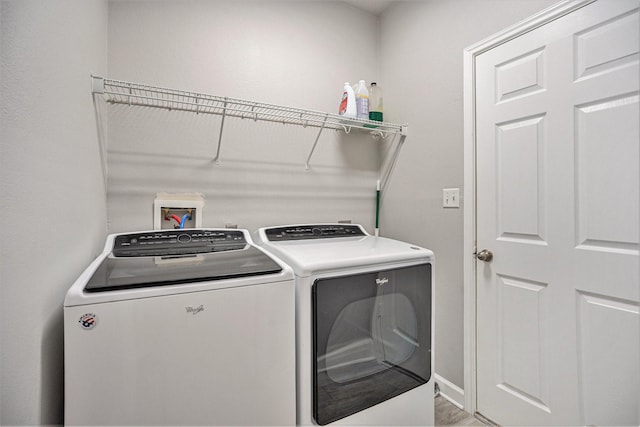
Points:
point(611, 324)
point(521, 305)
point(607, 45)
point(520, 173)
point(557, 203)
point(603, 140)
point(520, 76)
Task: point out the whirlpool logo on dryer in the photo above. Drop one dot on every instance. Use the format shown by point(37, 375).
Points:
point(382, 281)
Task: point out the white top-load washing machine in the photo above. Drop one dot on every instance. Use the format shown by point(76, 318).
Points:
point(364, 325)
point(181, 327)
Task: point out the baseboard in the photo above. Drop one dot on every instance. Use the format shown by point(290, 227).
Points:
point(450, 391)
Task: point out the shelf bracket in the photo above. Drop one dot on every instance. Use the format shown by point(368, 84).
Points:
point(346, 129)
point(224, 114)
point(97, 89)
point(306, 165)
point(378, 134)
point(102, 144)
point(392, 157)
point(97, 84)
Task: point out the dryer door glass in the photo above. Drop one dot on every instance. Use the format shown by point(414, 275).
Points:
point(372, 339)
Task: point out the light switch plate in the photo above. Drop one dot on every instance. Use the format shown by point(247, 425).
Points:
point(450, 197)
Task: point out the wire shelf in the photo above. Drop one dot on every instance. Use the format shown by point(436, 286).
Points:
point(137, 94)
point(127, 93)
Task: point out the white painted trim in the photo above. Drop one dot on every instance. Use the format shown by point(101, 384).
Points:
point(469, 234)
point(450, 391)
point(469, 208)
point(542, 18)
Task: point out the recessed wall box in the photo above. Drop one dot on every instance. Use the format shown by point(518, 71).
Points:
point(169, 210)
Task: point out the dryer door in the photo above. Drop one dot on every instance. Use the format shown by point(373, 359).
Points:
point(372, 339)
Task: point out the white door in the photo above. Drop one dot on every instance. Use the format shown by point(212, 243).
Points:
point(557, 205)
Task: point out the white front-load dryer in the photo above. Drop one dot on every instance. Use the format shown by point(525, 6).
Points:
point(181, 327)
point(364, 325)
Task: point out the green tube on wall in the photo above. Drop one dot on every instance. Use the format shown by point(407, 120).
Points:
point(377, 208)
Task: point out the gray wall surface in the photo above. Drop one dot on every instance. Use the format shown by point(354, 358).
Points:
point(296, 54)
point(421, 53)
point(51, 187)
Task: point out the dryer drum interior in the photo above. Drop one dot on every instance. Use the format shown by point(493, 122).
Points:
point(371, 339)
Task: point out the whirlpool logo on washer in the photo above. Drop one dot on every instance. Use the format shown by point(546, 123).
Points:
point(195, 310)
point(88, 321)
point(382, 281)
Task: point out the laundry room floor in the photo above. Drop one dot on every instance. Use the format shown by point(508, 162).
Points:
point(447, 414)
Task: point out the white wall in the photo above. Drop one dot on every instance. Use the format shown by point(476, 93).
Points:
point(281, 52)
point(52, 192)
point(421, 54)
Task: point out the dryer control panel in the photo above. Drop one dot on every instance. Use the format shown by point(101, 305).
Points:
point(319, 231)
point(177, 242)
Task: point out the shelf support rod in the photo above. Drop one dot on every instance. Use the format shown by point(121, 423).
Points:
point(306, 165)
point(392, 157)
point(224, 114)
point(97, 89)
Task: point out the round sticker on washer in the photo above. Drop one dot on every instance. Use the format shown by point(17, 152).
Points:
point(88, 321)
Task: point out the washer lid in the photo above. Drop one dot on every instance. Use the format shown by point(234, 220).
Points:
point(118, 273)
point(307, 257)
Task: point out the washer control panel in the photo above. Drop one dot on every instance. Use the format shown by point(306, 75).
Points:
point(320, 231)
point(177, 242)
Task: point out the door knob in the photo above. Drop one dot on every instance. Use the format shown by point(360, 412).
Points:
point(485, 255)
